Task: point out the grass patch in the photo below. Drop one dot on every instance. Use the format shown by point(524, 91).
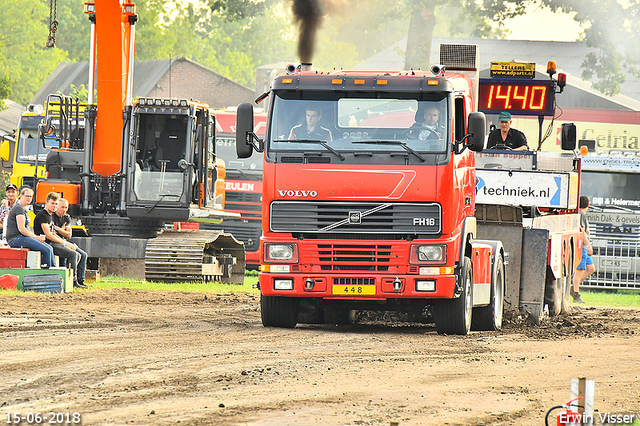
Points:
point(113, 282)
point(614, 299)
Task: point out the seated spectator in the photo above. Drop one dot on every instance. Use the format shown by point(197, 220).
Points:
point(19, 234)
point(43, 225)
point(7, 204)
point(62, 226)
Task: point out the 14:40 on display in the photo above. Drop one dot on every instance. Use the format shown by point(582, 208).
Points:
point(528, 97)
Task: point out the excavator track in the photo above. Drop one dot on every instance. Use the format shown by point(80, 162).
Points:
point(195, 255)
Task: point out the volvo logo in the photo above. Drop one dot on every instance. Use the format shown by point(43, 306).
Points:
point(297, 193)
point(355, 217)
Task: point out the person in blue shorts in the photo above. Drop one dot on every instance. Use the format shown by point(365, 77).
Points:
point(586, 266)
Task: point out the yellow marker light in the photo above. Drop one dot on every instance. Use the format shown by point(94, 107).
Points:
point(358, 81)
point(287, 80)
point(432, 82)
point(447, 270)
point(551, 67)
point(584, 150)
point(263, 268)
point(336, 81)
point(382, 82)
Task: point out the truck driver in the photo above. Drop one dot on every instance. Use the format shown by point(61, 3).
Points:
point(506, 136)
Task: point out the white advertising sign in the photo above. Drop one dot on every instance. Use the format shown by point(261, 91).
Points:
point(517, 188)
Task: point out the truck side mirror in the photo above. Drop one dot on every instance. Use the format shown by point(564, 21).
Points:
point(476, 129)
point(5, 150)
point(568, 136)
point(244, 130)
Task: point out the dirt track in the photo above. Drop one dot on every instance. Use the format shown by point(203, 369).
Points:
point(132, 357)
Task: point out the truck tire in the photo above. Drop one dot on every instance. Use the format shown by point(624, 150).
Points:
point(553, 296)
point(568, 285)
point(489, 318)
point(278, 311)
point(454, 316)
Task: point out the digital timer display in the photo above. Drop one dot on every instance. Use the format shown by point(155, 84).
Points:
point(519, 97)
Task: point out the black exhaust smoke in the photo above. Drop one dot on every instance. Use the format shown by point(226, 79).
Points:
point(309, 14)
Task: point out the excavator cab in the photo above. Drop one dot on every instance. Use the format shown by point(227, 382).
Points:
point(170, 169)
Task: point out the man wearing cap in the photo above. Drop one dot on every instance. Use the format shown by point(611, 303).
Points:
point(505, 135)
point(7, 203)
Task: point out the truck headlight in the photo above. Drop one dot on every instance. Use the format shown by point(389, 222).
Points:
point(280, 252)
point(283, 284)
point(425, 285)
point(430, 253)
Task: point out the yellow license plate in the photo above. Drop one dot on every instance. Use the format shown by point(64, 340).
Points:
point(354, 290)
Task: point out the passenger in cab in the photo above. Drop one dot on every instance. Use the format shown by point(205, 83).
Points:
point(506, 136)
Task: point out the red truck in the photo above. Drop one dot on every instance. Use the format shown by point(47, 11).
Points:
point(369, 208)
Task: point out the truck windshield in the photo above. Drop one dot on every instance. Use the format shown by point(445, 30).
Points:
point(611, 190)
point(27, 145)
point(416, 122)
point(226, 150)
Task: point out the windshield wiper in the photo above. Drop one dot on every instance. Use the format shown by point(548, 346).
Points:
point(402, 144)
point(323, 143)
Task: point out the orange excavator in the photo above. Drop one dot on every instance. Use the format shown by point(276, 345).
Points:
point(141, 166)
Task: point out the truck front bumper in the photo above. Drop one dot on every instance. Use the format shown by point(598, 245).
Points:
point(358, 287)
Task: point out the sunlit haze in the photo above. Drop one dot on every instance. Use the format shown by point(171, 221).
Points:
point(542, 24)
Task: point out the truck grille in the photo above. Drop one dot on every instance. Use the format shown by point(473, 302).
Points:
point(354, 281)
point(356, 217)
point(354, 257)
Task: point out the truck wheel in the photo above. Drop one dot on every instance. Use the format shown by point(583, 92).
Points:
point(278, 311)
point(454, 316)
point(489, 318)
point(553, 296)
point(566, 291)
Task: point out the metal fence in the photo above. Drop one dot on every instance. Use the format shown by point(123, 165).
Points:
point(617, 264)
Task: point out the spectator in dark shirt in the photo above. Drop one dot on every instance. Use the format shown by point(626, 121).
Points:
point(19, 234)
point(505, 135)
point(311, 129)
point(62, 222)
point(43, 225)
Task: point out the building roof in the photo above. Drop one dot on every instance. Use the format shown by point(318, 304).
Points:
point(10, 117)
point(568, 55)
point(146, 74)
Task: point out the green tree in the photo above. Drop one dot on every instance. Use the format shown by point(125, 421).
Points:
point(5, 90)
point(23, 56)
point(613, 28)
